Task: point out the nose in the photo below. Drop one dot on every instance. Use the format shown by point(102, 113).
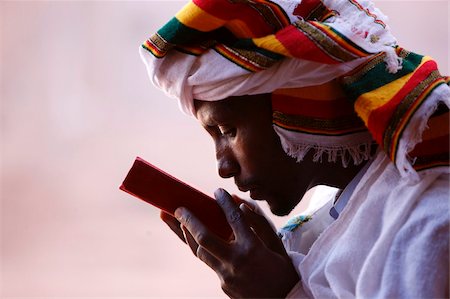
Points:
point(227, 164)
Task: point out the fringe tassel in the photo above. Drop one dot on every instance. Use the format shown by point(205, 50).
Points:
point(356, 153)
point(393, 62)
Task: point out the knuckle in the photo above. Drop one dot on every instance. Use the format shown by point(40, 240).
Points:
point(235, 216)
point(238, 260)
point(250, 248)
point(188, 219)
point(203, 239)
point(243, 256)
point(200, 253)
point(221, 199)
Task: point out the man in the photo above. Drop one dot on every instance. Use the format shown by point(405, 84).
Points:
point(276, 85)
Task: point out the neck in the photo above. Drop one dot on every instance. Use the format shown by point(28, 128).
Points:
point(335, 175)
point(340, 177)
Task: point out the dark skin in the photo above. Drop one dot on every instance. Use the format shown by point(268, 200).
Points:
point(255, 263)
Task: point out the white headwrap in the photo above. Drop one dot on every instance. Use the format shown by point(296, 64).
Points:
point(214, 49)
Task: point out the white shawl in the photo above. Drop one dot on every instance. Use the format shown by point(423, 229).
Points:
point(390, 241)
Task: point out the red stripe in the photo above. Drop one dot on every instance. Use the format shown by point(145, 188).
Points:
point(306, 7)
point(226, 10)
point(311, 108)
point(379, 118)
point(300, 46)
point(153, 49)
point(431, 147)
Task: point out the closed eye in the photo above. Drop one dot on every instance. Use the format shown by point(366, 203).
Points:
point(227, 131)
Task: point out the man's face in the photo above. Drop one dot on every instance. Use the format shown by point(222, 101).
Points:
point(249, 150)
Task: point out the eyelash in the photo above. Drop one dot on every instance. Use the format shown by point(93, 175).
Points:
point(224, 131)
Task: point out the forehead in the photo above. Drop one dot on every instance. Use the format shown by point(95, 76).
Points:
point(234, 108)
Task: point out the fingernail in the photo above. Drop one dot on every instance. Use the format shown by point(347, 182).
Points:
point(178, 213)
point(218, 193)
point(242, 207)
point(220, 196)
point(245, 206)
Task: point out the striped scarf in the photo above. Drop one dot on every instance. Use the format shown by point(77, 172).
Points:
point(337, 76)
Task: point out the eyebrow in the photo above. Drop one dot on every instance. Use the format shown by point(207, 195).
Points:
point(214, 117)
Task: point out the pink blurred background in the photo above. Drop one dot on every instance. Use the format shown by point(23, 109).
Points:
point(76, 108)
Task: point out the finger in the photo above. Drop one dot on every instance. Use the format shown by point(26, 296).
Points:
point(190, 240)
point(233, 214)
point(237, 199)
point(173, 223)
point(210, 260)
point(263, 229)
point(201, 234)
point(203, 254)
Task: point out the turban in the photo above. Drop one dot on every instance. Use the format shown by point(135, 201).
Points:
point(337, 77)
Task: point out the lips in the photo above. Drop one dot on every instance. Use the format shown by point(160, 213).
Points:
point(255, 192)
point(244, 188)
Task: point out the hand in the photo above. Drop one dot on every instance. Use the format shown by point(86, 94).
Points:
point(173, 223)
point(254, 264)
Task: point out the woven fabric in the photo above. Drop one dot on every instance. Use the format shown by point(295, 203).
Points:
point(337, 76)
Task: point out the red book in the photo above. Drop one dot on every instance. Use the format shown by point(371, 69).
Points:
point(166, 192)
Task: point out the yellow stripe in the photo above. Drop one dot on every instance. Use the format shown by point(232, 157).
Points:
point(194, 17)
point(271, 43)
point(370, 101)
point(239, 29)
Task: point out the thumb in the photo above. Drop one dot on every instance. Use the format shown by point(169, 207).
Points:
point(263, 229)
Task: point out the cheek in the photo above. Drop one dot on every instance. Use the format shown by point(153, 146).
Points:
point(260, 152)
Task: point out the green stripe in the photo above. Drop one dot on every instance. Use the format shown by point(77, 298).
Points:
point(177, 33)
point(378, 76)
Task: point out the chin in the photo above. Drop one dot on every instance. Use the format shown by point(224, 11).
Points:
point(278, 205)
point(280, 210)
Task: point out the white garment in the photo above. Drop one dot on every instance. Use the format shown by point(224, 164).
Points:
point(390, 241)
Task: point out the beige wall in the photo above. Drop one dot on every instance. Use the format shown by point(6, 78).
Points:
point(76, 108)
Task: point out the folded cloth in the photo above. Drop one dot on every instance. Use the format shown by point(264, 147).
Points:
point(403, 252)
point(305, 53)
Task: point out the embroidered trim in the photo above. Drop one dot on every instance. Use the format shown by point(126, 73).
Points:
point(296, 222)
point(157, 45)
point(367, 12)
point(304, 124)
point(404, 111)
point(249, 60)
point(360, 72)
point(324, 42)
